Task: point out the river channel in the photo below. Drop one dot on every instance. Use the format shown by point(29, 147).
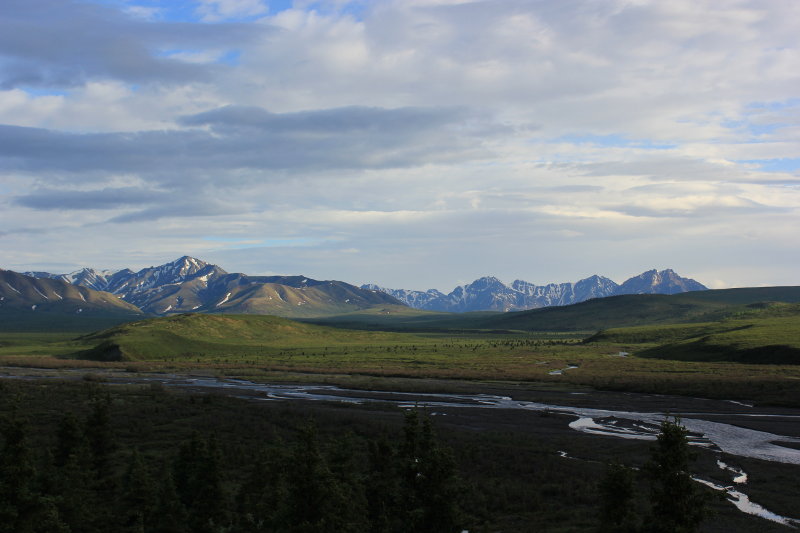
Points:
point(735, 436)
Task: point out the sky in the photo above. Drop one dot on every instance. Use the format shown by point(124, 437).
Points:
point(410, 143)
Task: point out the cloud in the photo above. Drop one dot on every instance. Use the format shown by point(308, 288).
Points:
point(182, 208)
point(439, 138)
point(106, 198)
point(67, 43)
point(252, 138)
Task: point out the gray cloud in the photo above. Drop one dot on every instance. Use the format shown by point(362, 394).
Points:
point(201, 207)
point(98, 199)
point(400, 122)
point(23, 231)
point(65, 43)
point(251, 138)
point(416, 147)
point(706, 212)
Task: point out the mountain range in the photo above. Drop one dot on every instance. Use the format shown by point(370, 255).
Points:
point(20, 293)
point(191, 285)
point(491, 294)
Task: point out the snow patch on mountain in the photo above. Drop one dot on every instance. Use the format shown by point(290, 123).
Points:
point(227, 296)
point(12, 288)
point(490, 294)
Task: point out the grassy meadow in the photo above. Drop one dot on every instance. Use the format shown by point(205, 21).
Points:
point(744, 357)
point(512, 471)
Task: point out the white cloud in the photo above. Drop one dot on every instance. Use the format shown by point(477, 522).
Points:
point(441, 139)
point(217, 10)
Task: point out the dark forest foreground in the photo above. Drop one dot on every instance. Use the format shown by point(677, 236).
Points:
point(94, 457)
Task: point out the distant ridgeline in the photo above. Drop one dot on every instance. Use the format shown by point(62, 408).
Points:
point(191, 285)
point(19, 293)
point(491, 294)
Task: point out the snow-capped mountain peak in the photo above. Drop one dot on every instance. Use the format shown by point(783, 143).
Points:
point(490, 294)
point(659, 282)
point(188, 284)
point(182, 267)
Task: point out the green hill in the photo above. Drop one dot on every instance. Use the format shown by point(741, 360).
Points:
point(588, 316)
point(203, 335)
point(642, 309)
point(402, 318)
point(768, 333)
point(29, 321)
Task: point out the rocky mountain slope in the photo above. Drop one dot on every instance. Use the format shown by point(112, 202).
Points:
point(21, 293)
point(491, 294)
point(663, 282)
point(191, 285)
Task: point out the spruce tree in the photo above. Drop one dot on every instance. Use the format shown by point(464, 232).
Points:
point(677, 505)
point(430, 490)
point(18, 499)
point(23, 508)
point(210, 509)
point(344, 458)
point(74, 487)
point(440, 484)
point(382, 486)
point(138, 503)
point(72, 481)
point(185, 469)
point(170, 513)
point(199, 482)
point(70, 438)
point(616, 500)
point(100, 435)
point(314, 500)
point(262, 497)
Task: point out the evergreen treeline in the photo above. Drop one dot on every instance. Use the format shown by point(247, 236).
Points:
point(89, 458)
point(408, 484)
point(676, 503)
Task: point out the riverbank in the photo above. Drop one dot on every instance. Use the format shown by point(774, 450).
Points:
point(492, 414)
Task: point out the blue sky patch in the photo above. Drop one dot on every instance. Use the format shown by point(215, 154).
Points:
point(755, 130)
point(187, 10)
point(231, 58)
point(613, 140)
point(775, 106)
point(276, 6)
point(783, 164)
point(35, 91)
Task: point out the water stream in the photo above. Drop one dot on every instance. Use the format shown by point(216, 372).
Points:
point(733, 440)
point(727, 438)
point(743, 503)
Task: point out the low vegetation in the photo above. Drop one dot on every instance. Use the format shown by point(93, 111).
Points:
point(589, 316)
point(723, 359)
point(764, 334)
point(142, 458)
point(496, 478)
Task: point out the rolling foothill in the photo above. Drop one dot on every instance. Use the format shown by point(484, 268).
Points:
point(558, 378)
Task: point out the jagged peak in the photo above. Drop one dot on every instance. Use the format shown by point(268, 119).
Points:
point(655, 273)
point(665, 281)
point(485, 281)
point(523, 294)
point(91, 271)
point(187, 261)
